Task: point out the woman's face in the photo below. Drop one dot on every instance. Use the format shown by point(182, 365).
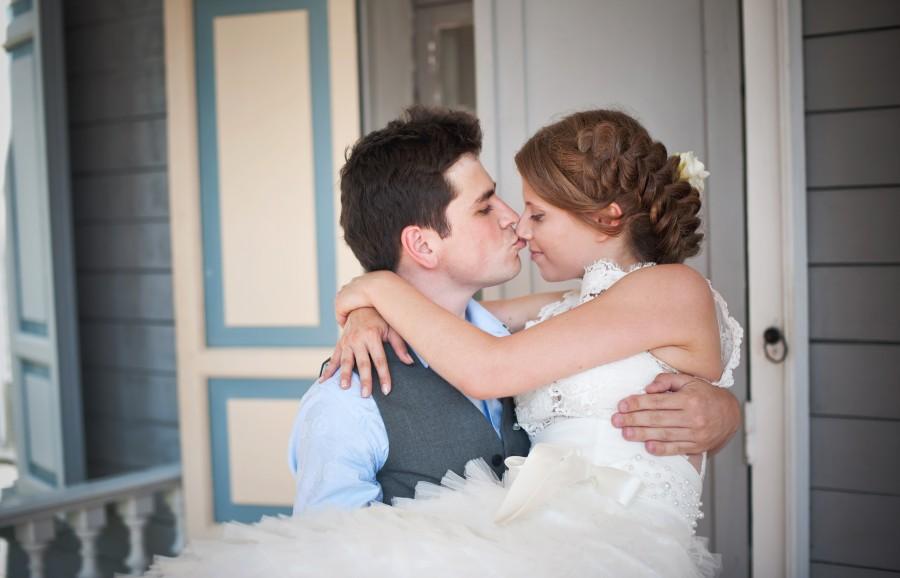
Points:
point(561, 244)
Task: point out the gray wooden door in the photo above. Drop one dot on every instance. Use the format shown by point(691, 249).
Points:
point(676, 65)
point(43, 311)
point(852, 88)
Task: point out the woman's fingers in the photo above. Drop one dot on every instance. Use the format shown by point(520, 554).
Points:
point(346, 366)
point(333, 363)
point(363, 368)
point(400, 347)
point(376, 351)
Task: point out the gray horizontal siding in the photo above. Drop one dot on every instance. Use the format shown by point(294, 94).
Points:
point(138, 92)
point(133, 445)
point(126, 296)
point(836, 214)
point(855, 303)
point(80, 13)
point(120, 147)
point(856, 529)
point(821, 570)
point(859, 455)
point(840, 16)
point(855, 380)
point(116, 45)
point(124, 345)
point(131, 395)
point(852, 103)
point(853, 70)
point(850, 149)
point(117, 115)
point(125, 245)
point(121, 198)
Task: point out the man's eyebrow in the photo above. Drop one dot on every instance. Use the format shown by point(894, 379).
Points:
point(485, 196)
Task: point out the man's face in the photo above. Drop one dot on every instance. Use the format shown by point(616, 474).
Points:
point(483, 248)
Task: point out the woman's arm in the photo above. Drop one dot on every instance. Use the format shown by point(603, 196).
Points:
point(666, 307)
point(515, 312)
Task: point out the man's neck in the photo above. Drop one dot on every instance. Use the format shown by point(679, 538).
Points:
point(439, 289)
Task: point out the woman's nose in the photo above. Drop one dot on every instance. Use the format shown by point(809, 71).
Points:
point(523, 230)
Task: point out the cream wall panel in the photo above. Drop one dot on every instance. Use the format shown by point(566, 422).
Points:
point(266, 174)
point(31, 244)
point(258, 431)
point(345, 119)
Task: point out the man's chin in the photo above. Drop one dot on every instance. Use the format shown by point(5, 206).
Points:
point(509, 274)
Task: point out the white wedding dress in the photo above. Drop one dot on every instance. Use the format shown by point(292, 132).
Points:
point(586, 502)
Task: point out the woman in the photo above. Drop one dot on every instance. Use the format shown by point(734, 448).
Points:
point(604, 203)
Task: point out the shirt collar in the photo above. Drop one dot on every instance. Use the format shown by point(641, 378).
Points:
point(481, 318)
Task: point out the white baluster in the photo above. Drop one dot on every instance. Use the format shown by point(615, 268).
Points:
point(35, 536)
point(134, 512)
point(175, 499)
point(87, 525)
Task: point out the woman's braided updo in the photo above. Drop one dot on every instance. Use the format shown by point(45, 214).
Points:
point(591, 159)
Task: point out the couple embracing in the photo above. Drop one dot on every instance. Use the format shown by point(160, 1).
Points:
point(556, 434)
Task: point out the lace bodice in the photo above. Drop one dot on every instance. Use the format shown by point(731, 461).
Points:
point(597, 391)
point(552, 413)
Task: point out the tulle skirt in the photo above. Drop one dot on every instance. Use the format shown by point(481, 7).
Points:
point(449, 531)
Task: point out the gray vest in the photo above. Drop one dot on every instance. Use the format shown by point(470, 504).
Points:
point(433, 428)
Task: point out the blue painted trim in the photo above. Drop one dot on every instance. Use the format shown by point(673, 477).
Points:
point(36, 328)
point(220, 391)
point(217, 333)
point(42, 371)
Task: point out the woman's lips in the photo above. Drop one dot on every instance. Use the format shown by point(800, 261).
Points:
point(536, 254)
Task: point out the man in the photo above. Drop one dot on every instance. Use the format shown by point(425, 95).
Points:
point(416, 200)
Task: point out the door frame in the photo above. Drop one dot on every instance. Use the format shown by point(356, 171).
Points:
point(778, 443)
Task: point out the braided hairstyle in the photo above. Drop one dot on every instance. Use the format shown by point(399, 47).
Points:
point(591, 159)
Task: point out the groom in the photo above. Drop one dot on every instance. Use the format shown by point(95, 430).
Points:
point(416, 200)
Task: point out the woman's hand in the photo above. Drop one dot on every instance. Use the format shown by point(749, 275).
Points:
point(363, 336)
point(355, 294)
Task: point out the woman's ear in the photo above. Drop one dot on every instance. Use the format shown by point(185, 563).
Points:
point(414, 242)
point(609, 216)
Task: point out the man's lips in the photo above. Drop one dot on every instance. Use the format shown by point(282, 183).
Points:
point(519, 244)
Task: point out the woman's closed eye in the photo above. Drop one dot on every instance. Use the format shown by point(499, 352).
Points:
point(537, 218)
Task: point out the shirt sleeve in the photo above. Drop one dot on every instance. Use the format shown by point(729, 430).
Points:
point(337, 446)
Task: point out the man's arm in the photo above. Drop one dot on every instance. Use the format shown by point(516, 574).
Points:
point(679, 414)
point(337, 446)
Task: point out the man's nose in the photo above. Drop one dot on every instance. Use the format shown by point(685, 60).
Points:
point(508, 217)
point(523, 228)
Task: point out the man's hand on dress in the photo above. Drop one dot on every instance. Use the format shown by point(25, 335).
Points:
point(362, 344)
point(678, 415)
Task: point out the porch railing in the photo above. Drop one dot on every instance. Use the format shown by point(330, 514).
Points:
point(83, 508)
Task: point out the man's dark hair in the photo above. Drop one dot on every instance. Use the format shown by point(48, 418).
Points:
point(394, 178)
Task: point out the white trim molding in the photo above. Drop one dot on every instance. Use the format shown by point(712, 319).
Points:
point(777, 263)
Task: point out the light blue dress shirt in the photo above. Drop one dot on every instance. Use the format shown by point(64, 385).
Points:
point(339, 442)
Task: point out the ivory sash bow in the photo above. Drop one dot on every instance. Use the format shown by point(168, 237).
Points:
point(533, 480)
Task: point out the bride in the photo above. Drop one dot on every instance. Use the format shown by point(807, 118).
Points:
point(604, 203)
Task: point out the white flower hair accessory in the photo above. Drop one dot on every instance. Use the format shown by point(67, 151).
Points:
point(693, 171)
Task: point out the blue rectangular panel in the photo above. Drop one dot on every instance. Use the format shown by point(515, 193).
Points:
point(220, 391)
point(217, 332)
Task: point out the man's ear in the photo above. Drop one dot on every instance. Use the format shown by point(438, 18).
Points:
point(417, 242)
